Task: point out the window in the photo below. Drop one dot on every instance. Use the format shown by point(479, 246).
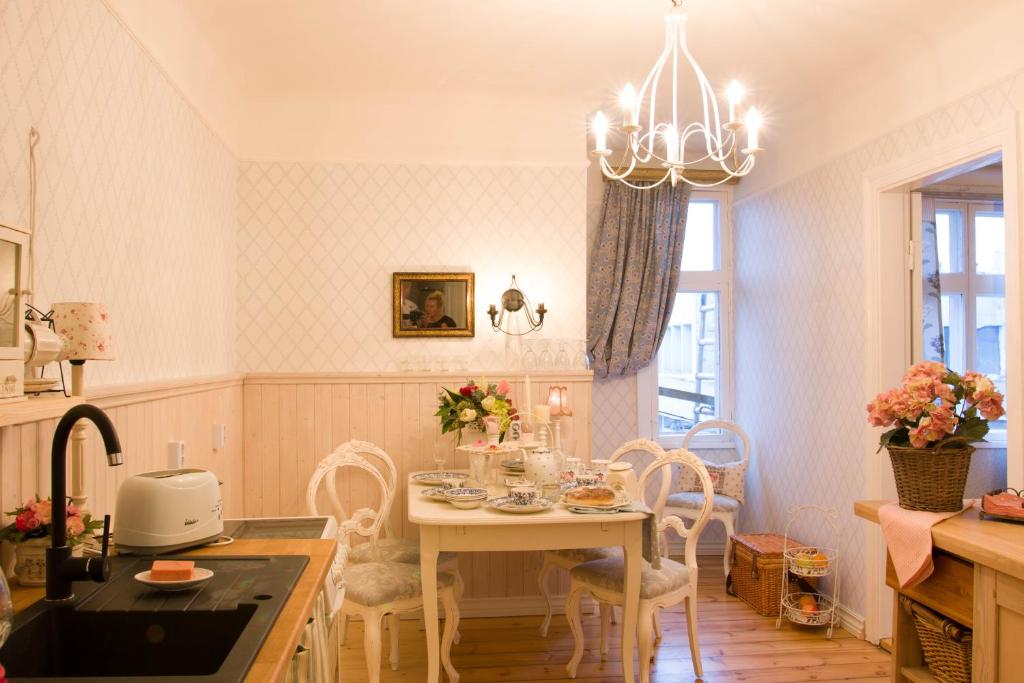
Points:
point(971, 240)
point(691, 381)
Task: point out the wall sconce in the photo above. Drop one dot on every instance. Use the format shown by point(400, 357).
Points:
point(513, 300)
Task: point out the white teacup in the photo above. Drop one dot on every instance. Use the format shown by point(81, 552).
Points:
point(523, 493)
point(587, 479)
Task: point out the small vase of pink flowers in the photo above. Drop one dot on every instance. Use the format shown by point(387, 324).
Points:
point(935, 415)
point(30, 533)
point(467, 407)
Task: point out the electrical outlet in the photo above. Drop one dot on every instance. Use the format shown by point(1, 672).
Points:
point(220, 436)
point(175, 455)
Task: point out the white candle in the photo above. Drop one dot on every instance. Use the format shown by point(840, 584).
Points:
point(543, 414)
point(753, 128)
point(600, 128)
point(627, 98)
point(735, 94)
point(671, 136)
point(527, 394)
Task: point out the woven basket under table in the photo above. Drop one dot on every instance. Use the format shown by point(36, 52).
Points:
point(946, 644)
point(931, 479)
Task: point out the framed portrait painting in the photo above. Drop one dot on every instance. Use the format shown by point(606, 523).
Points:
point(432, 305)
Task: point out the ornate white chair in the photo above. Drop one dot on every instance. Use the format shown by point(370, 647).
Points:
point(727, 478)
point(672, 583)
point(569, 558)
point(375, 589)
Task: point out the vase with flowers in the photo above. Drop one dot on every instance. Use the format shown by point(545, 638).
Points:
point(935, 415)
point(467, 407)
point(30, 534)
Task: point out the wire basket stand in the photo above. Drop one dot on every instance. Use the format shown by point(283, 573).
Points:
point(810, 608)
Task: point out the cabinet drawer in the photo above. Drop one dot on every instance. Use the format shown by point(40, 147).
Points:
point(949, 590)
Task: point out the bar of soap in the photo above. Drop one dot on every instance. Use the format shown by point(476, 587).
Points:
point(171, 570)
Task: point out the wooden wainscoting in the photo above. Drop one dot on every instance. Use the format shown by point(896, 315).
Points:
point(146, 416)
point(292, 421)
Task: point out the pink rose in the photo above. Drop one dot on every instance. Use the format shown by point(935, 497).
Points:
point(32, 523)
point(72, 509)
point(504, 387)
point(44, 511)
point(75, 526)
point(21, 521)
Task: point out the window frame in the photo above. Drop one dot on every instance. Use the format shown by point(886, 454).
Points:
point(720, 281)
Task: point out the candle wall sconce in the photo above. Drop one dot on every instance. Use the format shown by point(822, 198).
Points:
point(512, 301)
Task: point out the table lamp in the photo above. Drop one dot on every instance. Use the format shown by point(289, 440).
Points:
point(86, 327)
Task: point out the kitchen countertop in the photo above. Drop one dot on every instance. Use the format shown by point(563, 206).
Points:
point(999, 545)
point(272, 660)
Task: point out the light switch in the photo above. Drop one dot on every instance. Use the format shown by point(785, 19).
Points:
point(220, 436)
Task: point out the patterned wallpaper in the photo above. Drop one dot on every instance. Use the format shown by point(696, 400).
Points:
point(318, 243)
point(800, 331)
point(137, 198)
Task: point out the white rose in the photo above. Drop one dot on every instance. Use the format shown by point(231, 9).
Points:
point(488, 403)
point(467, 415)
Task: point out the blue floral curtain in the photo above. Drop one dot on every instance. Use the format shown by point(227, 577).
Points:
point(934, 347)
point(634, 272)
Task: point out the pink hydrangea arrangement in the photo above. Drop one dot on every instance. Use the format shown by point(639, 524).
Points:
point(35, 517)
point(935, 406)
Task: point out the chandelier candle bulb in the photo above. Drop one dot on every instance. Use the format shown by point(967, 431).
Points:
point(753, 130)
point(630, 115)
point(671, 144)
point(735, 95)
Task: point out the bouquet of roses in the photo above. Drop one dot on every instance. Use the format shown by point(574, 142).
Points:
point(34, 519)
point(935, 406)
point(468, 406)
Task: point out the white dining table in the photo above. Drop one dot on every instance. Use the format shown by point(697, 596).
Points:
point(444, 527)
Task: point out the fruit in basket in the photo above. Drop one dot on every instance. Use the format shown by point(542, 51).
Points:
point(808, 603)
point(819, 560)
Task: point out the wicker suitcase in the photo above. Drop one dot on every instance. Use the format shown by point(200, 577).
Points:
point(756, 573)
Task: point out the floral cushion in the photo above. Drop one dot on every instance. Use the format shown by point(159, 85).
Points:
point(608, 574)
point(587, 554)
point(377, 583)
point(695, 501)
point(727, 479)
point(393, 550)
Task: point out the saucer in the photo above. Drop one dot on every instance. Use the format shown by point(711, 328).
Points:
point(435, 492)
point(435, 478)
point(199, 577)
point(506, 504)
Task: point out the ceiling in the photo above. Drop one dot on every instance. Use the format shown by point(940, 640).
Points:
point(496, 79)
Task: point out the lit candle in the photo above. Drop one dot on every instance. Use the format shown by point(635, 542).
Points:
point(627, 98)
point(735, 94)
point(600, 127)
point(671, 136)
point(543, 414)
point(753, 128)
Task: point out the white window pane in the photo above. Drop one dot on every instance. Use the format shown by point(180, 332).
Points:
point(954, 331)
point(990, 344)
point(700, 241)
point(949, 233)
point(688, 363)
point(990, 242)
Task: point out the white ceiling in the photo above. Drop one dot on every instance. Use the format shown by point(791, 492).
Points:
point(494, 80)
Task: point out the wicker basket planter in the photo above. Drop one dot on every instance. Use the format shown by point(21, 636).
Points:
point(931, 479)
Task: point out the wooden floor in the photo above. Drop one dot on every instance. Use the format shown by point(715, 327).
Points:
point(736, 645)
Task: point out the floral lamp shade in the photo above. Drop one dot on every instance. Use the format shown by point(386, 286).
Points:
point(558, 401)
point(86, 327)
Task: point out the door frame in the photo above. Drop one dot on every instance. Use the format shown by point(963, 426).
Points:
point(888, 300)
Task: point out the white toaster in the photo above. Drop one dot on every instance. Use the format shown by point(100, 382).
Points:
point(160, 512)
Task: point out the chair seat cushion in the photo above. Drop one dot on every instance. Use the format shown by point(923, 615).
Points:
point(608, 574)
point(579, 555)
point(695, 501)
point(393, 550)
point(376, 583)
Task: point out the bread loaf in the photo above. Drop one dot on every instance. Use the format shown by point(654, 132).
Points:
point(591, 495)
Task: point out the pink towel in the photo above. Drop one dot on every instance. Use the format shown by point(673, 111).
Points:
point(908, 535)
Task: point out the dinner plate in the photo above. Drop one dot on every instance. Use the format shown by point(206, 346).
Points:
point(619, 502)
point(591, 511)
point(435, 478)
point(506, 504)
point(199, 577)
point(435, 492)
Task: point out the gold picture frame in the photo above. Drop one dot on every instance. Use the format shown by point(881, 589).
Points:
point(432, 305)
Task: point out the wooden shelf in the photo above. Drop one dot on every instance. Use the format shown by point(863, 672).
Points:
point(918, 674)
point(36, 409)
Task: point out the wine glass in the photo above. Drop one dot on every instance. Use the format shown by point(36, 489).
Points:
point(440, 455)
point(529, 356)
point(562, 357)
point(545, 361)
point(6, 610)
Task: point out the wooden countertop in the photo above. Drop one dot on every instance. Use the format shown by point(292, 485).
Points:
point(999, 545)
point(271, 662)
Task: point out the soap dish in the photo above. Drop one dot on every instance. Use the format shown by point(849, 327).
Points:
point(199, 577)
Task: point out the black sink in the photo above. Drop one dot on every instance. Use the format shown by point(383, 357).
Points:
point(125, 629)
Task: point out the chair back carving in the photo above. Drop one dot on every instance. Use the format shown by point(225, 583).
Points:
point(681, 457)
point(659, 491)
point(724, 425)
point(365, 522)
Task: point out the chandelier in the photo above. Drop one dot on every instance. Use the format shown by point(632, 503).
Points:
point(665, 143)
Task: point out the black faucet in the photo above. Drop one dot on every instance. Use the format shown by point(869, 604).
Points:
point(61, 568)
